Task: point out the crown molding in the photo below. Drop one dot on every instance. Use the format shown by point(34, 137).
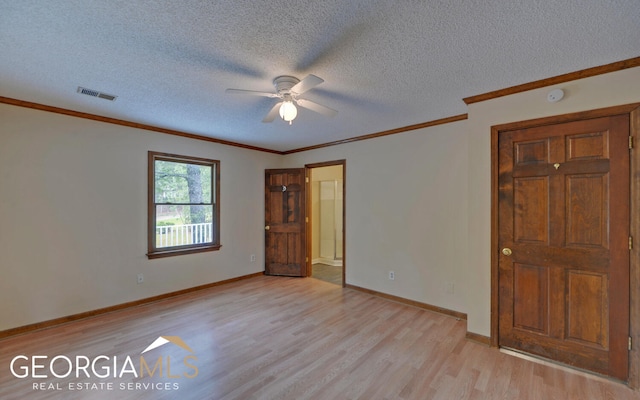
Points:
point(403, 129)
point(121, 122)
point(585, 73)
point(571, 76)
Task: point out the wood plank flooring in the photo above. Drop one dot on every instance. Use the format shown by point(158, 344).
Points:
point(287, 338)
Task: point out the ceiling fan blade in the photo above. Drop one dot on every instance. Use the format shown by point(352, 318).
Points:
point(319, 108)
point(273, 113)
point(251, 92)
point(309, 82)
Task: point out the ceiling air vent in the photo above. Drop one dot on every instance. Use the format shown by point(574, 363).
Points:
point(95, 93)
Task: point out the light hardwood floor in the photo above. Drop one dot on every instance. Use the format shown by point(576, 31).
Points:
point(292, 338)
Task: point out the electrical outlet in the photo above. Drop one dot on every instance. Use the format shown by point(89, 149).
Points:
point(392, 275)
point(253, 258)
point(140, 278)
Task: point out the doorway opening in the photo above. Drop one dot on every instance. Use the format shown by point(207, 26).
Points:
point(325, 230)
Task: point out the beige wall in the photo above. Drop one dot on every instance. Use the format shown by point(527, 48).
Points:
point(330, 173)
point(419, 203)
point(73, 207)
point(406, 211)
point(73, 216)
point(618, 88)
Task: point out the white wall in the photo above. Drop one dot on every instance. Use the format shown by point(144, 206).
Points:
point(73, 216)
point(419, 203)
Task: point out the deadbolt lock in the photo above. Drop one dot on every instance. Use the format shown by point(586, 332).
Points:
point(266, 228)
point(507, 251)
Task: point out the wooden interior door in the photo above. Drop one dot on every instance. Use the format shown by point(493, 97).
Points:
point(285, 233)
point(563, 216)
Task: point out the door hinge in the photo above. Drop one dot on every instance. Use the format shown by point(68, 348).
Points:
point(306, 219)
point(630, 242)
point(306, 259)
point(629, 343)
point(306, 178)
point(630, 142)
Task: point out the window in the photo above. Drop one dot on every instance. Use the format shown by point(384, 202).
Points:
point(184, 207)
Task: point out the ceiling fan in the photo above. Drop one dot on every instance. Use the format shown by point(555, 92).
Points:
point(288, 90)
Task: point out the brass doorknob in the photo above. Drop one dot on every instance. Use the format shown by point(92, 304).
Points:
point(266, 228)
point(507, 251)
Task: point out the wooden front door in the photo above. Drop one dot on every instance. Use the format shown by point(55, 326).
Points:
point(285, 244)
point(563, 221)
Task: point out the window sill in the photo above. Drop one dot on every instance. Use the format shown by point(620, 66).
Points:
point(179, 252)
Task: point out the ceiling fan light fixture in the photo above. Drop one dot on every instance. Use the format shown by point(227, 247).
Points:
point(288, 91)
point(288, 111)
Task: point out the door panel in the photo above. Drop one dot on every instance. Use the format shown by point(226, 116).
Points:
point(586, 309)
point(285, 218)
point(531, 219)
point(530, 308)
point(563, 211)
point(587, 210)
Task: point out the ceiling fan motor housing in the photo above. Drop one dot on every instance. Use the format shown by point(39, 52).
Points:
point(284, 83)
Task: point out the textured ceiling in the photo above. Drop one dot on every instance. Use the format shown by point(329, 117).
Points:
point(386, 64)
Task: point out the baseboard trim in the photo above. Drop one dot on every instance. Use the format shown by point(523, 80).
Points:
point(88, 314)
point(425, 306)
point(474, 337)
point(335, 263)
